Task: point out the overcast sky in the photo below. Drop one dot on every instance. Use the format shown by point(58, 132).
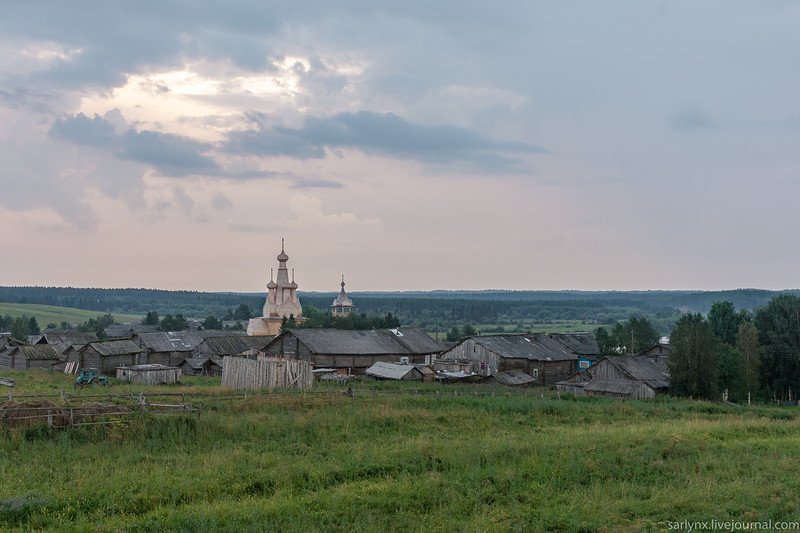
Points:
point(417, 145)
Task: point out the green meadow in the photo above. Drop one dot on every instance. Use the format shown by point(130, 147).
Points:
point(401, 457)
point(46, 314)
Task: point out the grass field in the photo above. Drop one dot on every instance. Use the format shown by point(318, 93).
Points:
point(46, 314)
point(390, 459)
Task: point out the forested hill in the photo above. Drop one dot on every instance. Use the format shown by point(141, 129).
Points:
point(412, 307)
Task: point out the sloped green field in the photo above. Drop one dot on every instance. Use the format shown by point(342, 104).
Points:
point(46, 314)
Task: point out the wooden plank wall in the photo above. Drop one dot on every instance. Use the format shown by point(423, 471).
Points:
point(266, 373)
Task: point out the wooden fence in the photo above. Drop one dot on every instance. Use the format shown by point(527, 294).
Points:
point(266, 373)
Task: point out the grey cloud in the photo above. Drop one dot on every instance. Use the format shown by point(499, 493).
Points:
point(182, 198)
point(312, 183)
point(692, 117)
point(381, 134)
point(220, 202)
point(172, 155)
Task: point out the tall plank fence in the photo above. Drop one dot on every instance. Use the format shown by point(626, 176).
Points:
point(266, 373)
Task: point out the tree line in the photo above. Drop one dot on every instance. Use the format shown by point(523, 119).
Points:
point(738, 353)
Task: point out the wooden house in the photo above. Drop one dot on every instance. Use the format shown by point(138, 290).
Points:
point(171, 348)
point(8, 343)
point(42, 356)
point(62, 339)
point(354, 351)
point(105, 355)
point(623, 376)
point(150, 374)
point(546, 360)
point(661, 350)
point(394, 371)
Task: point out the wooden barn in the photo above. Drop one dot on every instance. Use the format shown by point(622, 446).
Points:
point(622, 376)
point(394, 371)
point(224, 346)
point(546, 360)
point(105, 355)
point(354, 351)
point(150, 374)
point(171, 348)
point(658, 350)
point(42, 356)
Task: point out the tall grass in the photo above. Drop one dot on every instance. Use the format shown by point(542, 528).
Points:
point(418, 462)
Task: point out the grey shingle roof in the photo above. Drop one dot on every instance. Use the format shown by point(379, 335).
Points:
point(198, 361)
point(233, 345)
point(616, 386)
point(114, 347)
point(514, 377)
point(62, 340)
point(652, 371)
point(367, 342)
point(533, 346)
point(179, 341)
point(37, 351)
point(578, 343)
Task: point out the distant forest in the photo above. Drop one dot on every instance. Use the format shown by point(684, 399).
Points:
point(433, 309)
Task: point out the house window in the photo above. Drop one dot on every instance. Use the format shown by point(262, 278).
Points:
point(536, 373)
point(583, 364)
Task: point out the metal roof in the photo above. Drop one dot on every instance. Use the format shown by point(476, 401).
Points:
point(405, 341)
point(533, 346)
point(391, 370)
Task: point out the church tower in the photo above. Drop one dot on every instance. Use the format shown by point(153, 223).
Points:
point(342, 305)
point(282, 301)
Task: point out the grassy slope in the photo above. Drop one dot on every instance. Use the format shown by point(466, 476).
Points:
point(46, 314)
point(389, 462)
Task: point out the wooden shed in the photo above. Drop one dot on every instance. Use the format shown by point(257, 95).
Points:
point(394, 371)
point(105, 355)
point(7, 344)
point(150, 374)
point(627, 376)
point(42, 356)
point(202, 365)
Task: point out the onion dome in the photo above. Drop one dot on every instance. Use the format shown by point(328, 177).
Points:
point(282, 257)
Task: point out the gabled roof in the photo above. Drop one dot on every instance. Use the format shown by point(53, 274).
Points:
point(578, 343)
point(179, 341)
point(233, 345)
point(652, 371)
point(406, 341)
point(66, 338)
point(114, 347)
point(127, 330)
point(391, 370)
point(37, 352)
point(533, 346)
